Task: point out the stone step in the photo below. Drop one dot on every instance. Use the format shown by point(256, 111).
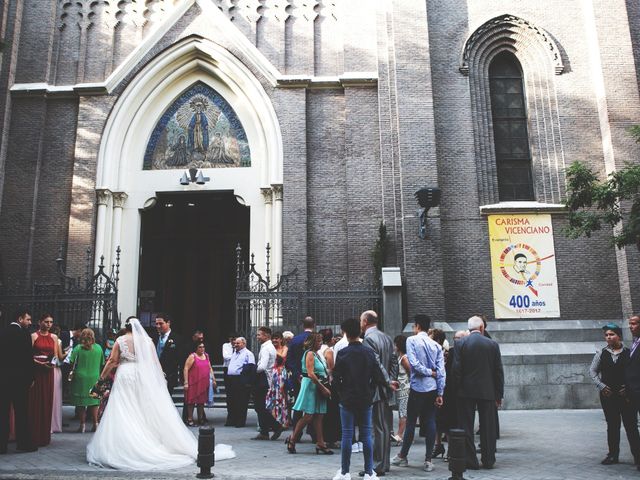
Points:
point(539, 331)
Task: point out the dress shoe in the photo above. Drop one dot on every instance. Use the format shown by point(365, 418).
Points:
point(323, 450)
point(377, 473)
point(261, 436)
point(487, 466)
point(277, 432)
point(26, 449)
point(438, 450)
point(609, 459)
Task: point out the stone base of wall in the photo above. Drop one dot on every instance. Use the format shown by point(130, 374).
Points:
point(546, 362)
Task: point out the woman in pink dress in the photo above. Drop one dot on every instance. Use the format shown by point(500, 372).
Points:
point(56, 417)
point(45, 347)
point(197, 371)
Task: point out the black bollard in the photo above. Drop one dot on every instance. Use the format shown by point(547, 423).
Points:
point(206, 459)
point(457, 457)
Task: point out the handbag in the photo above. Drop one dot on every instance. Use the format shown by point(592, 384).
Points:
point(72, 372)
point(324, 381)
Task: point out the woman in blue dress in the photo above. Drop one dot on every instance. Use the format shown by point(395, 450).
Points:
point(312, 399)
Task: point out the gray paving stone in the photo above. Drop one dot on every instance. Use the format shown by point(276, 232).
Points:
point(535, 445)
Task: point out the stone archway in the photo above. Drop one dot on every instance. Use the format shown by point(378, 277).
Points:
point(124, 188)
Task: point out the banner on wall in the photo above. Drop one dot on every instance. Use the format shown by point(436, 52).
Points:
point(523, 266)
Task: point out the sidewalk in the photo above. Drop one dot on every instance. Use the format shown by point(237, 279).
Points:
point(535, 445)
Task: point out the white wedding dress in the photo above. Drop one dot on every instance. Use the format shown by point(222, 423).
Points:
point(141, 429)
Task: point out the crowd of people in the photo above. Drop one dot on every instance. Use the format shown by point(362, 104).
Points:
point(339, 389)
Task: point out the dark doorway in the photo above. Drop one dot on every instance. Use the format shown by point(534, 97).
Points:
point(188, 262)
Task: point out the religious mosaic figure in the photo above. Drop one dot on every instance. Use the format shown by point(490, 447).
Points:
point(180, 155)
point(199, 127)
point(219, 150)
point(200, 130)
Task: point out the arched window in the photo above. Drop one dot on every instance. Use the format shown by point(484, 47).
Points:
point(508, 110)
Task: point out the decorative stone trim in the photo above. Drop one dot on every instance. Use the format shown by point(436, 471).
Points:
point(119, 199)
point(267, 195)
point(540, 60)
point(277, 192)
point(501, 29)
point(523, 207)
point(103, 195)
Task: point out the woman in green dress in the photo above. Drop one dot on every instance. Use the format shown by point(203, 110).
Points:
point(87, 359)
point(312, 399)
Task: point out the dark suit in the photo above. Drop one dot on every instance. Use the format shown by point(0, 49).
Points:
point(382, 345)
point(632, 377)
point(479, 379)
point(172, 359)
point(16, 376)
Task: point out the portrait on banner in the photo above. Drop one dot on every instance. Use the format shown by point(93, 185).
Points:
point(523, 267)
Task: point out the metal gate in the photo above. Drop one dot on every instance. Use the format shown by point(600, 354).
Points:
point(72, 301)
point(281, 305)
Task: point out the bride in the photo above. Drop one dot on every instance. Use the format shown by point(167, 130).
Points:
point(141, 428)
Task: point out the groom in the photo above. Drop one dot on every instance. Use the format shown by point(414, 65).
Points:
point(169, 350)
point(16, 378)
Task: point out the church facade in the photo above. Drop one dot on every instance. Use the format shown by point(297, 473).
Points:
point(308, 123)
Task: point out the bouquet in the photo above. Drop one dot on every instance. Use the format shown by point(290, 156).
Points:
point(101, 388)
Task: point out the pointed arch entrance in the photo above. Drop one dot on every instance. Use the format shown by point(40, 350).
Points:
point(127, 191)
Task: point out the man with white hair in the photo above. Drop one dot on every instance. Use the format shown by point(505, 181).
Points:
point(237, 391)
point(478, 374)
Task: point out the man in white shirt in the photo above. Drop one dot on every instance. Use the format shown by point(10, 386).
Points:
point(266, 360)
point(237, 392)
point(227, 351)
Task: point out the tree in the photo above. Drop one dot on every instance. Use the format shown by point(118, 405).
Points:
point(380, 250)
point(594, 203)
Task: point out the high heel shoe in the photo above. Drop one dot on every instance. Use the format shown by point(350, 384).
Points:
point(438, 450)
point(323, 450)
point(81, 428)
point(291, 447)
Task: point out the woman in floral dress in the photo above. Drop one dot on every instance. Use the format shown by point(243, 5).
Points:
point(277, 401)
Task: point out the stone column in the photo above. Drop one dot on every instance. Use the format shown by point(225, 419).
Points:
point(103, 195)
point(277, 230)
point(267, 195)
point(119, 199)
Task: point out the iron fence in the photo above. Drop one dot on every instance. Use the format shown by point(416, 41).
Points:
point(282, 305)
point(92, 302)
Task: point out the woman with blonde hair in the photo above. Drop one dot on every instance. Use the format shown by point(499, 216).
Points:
point(87, 359)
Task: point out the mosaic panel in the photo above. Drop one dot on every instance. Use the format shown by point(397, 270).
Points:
point(199, 130)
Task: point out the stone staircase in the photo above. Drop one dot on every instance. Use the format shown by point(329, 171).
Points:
point(219, 397)
point(546, 362)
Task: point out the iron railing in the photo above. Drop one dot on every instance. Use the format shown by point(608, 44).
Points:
point(282, 305)
point(71, 301)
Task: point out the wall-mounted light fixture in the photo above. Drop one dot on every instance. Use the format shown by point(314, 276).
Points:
point(193, 175)
point(427, 198)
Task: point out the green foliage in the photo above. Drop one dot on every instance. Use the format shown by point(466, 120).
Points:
point(380, 250)
point(594, 204)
